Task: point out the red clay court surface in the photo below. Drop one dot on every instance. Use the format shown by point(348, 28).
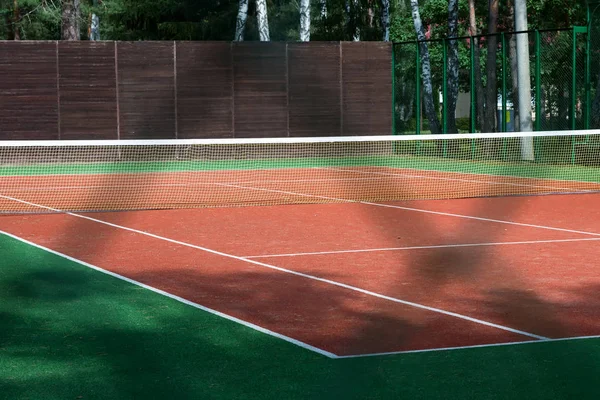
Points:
point(354, 278)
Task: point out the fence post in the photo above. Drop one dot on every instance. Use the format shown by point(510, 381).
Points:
point(503, 41)
point(418, 91)
point(538, 82)
point(445, 86)
point(394, 89)
point(472, 84)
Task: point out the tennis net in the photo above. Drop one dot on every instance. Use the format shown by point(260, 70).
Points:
point(77, 176)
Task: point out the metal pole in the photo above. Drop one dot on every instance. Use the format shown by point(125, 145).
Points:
point(393, 89)
point(418, 91)
point(473, 86)
point(503, 40)
point(538, 81)
point(524, 79)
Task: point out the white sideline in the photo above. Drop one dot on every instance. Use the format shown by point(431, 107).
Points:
point(177, 298)
point(273, 267)
point(440, 246)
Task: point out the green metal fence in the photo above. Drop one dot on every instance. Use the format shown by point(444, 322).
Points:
point(564, 80)
point(564, 67)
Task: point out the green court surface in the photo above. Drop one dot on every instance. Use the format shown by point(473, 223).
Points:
point(424, 163)
point(70, 332)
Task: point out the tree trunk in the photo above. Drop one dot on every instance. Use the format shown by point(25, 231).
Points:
point(305, 20)
point(434, 123)
point(479, 109)
point(240, 24)
point(16, 35)
point(352, 11)
point(263, 20)
point(70, 20)
point(385, 19)
point(491, 90)
point(95, 27)
point(452, 91)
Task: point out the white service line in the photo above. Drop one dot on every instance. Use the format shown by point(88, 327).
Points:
point(177, 298)
point(440, 246)
point(499, 221)
point(288, 271)
point(392, 174)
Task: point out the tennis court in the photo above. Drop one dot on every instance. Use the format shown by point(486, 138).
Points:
point(337, 254)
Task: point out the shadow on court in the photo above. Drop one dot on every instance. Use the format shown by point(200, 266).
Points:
point(69, 332)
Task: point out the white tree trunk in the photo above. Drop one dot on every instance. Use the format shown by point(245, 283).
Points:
point(434, 123)
point(323, 9)
point(385, 20)
point(305, 20)
point(95, 28)
point(240, 25)
point(263, 20)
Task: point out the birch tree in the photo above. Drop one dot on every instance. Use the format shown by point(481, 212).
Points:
point(240, 24)
point(94, 33)
point(70, 20)
point(263, 20)
point(385, 19)
point(304, 20)
point(452, 93)
point(434, 123)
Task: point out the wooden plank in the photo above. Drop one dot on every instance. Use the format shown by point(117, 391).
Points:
point(204, 90)
point(260, 83)
point(314, 89)
point(28, 91)
point(88, 95)
point(146, 90)
point(367, 88)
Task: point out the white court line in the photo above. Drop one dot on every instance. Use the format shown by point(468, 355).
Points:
point(288, 271)
point(177, 298)
point(499, 221)
point(440, 246)
point(476, 346)
point(391, 174)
